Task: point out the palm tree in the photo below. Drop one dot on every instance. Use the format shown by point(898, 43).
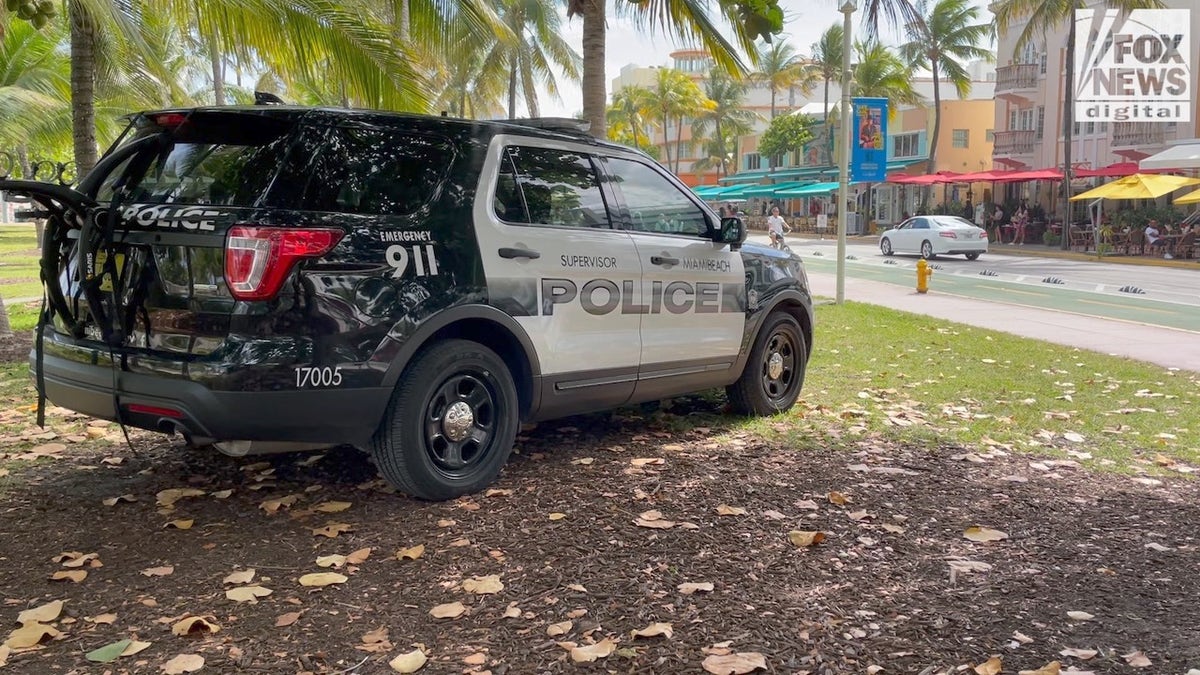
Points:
point(34, 83)
point(1041, 17)
point(727, 118)
point(673, 97)
point(535, 51)
point(946, 36)
point(688, 21)
point(827, 62)
point(779, 67)
point(631, 107)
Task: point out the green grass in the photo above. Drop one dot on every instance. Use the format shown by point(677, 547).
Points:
point(909, 378)
point(19, 274)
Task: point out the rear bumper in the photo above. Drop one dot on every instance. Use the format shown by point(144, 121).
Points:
point(332, 416)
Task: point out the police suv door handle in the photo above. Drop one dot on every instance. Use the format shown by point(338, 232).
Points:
point(510, 253)
point(663, 260)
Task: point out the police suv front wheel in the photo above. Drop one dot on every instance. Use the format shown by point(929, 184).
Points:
point(774, 373)
point(451, 424)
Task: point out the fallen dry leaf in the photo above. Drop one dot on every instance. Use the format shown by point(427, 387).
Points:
point(1080, 616)
point(411, 553)
point(322, 579)
point(1052, 668)
point(512, 612)
point(183, 663)
point(195, 625)
point(272, 506)
point(837, 498)
point(249, 594)
point(167, 498)
point(41, 614)
point(689, 587)
point(113, 501)
point(287, 619)
point(71, 575)
point(332, 507)
point(488, 585)
point(101, 619)
point(240, 577)
point(734, 664)
point(476, 659)
point(334, 560)
point(654, 630)
point(165, 570)
point(984, 534)
point(557, 516)
point(409, 662)
point(990, 667)
point(134, 647)
point(726, 510)
point(332, 529)
point(590, 653)
point(221, 494)
point(182, 524)
point(77, 559)
point(449, 610)
point(560, 628)
point(109, 652)
point(358, 557)
point(1081, 654)
point(6, 651)
point(32, 633)
point(1137, 659)
point(804, 539)
point(646, 461)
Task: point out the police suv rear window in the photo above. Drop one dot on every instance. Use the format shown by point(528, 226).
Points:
point(211, 159)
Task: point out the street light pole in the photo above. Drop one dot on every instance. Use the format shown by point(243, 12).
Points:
point(846, 9)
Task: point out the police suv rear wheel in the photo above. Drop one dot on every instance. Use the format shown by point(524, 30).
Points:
point(774, 373)
point(452, 422)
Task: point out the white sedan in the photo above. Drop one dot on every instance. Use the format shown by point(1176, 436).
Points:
point(929, 236)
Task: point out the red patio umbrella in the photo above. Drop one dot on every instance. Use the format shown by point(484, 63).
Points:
point(1116, 170)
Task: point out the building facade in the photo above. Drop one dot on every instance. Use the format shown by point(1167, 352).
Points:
point(1030, 86)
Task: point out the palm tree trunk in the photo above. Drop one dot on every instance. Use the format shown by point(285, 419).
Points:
point(218, 72)
point(512, 91)
point(83, 87)
point(827, 127)
point(720, 147)
point(634, 123)
point(1068, 131)
point(594, 89)
point(678, 143)
point(937, 124)
point(666, 143)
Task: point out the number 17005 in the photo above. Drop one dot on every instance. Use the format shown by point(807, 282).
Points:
point(318, 377)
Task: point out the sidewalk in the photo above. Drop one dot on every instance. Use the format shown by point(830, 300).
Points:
point(1162, 346)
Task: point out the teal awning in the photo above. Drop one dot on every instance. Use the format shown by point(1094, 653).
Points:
point(706, 190)
point(808, 190)
point(769, 190)
point(810, 172)
point(897, 164)
point(746, 177)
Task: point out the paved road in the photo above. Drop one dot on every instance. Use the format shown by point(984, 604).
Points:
point(1168, 297)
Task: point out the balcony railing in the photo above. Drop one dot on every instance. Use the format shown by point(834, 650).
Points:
point(1019, 76)
point(1126, 134)
point(1017, 142)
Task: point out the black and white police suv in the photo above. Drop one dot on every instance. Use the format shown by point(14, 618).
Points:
point(271, 278)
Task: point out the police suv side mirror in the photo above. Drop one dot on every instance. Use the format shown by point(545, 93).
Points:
point(732, 232)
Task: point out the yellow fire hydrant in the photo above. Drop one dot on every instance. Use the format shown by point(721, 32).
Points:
point(924, 271)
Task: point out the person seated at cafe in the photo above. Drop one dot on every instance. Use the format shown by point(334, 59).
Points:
point(1156, 241)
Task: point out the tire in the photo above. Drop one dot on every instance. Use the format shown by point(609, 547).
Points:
point(774, 373)
point(927, 250)
point(428, 454)
point(972, 256)
point(885, 245)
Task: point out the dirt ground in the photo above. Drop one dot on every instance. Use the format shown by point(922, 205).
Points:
point(894, 583)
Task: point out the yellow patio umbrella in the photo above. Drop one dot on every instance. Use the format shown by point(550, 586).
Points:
point(1138, 186)
point(1189, 198)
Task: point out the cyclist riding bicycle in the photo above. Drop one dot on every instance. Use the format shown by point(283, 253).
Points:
point(776, 227)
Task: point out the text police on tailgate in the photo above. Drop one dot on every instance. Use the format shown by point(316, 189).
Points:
point(272, 278)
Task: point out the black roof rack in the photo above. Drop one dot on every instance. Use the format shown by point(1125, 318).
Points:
point(567, 125)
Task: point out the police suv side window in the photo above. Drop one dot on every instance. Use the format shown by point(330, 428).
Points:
point(542, 186)
point(377, 172)
point(655, 204)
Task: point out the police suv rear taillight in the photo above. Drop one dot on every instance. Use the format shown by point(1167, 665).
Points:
point(258, 259)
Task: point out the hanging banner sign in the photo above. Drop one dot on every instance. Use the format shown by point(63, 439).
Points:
point(868, 149)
